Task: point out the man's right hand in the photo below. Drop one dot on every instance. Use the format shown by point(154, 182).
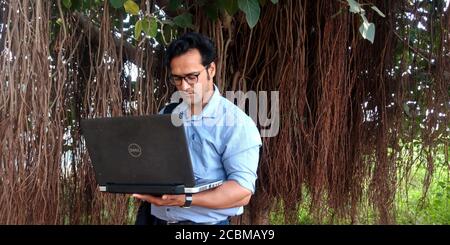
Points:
point(164, 200)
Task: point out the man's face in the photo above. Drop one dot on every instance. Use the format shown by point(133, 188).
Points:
point(189, 65)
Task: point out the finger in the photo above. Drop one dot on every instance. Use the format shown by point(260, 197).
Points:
point(138, 196)
point(148, 198)
point(165, 200)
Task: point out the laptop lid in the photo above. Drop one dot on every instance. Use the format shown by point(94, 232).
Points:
point(138, 150)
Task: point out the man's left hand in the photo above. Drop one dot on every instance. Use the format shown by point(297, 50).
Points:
point(164, 200)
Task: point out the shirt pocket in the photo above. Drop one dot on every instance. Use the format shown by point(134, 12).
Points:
point(198, 161)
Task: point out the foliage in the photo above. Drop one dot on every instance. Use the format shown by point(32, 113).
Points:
point(367, 29)
point(411, 207)
point(349, 109)
point(150, 23)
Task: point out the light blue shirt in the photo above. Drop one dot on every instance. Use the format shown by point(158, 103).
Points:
point(224, 144)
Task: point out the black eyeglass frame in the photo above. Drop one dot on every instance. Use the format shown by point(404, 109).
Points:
point(190, 79)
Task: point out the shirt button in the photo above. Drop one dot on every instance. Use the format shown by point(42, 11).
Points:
point(168, 210)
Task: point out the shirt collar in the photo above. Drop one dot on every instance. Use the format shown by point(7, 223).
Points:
point(210, 110)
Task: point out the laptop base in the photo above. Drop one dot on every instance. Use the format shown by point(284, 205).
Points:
point(143, 189)
point(159, 189)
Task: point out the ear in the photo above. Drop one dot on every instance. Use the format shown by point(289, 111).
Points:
point(212, 70)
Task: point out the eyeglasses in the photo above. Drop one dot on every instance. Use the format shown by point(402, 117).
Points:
point(191, 79)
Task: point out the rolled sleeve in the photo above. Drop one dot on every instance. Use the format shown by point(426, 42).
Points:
point(241, 156)
point(241, 167)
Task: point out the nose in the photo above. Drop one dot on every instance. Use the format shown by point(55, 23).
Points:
point(184, 85)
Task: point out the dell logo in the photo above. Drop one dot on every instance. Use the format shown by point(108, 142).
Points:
point(134, 150)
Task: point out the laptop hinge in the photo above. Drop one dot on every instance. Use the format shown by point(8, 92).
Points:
point(144, 189)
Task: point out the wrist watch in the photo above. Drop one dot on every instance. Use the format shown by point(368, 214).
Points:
point(187, 200)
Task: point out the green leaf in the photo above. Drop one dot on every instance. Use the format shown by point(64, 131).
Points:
point(212, 11)
point(145, 25)
point(231, 6)
point(131, 7)
point(274, 1)
point(355, 7)
point(184, 20)
point(67, 3)
point(262, 2)
point(367, 31)
point(150, 27)
point(153, 28)
point(138, 29)
point(252, 11)
point(116, 3)
point(167, 33)
point(406, 109)
point(59, 21)
point(174, 5)
point(76, 5)
point(378, 11)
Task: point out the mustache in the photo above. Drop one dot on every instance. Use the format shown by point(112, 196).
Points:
point(189, 92)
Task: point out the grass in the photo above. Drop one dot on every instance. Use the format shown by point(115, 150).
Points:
point(434, 209)
point(410, 206)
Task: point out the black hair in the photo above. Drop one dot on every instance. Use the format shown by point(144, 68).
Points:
point(192, 40)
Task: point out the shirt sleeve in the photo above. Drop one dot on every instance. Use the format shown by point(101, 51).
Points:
point(241, 155)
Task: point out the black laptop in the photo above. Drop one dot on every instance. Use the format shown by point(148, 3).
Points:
point(141, 154)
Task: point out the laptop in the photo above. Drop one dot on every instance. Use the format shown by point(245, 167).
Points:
point(141, 154)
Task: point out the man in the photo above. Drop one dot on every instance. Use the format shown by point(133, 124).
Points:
point(223, 141)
